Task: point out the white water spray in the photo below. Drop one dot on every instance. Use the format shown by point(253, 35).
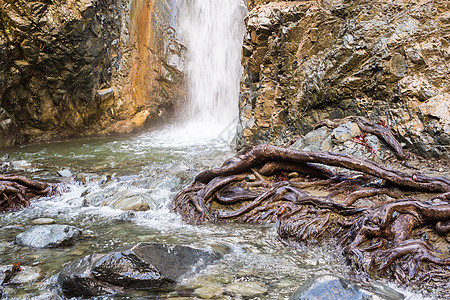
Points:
point(212, 31)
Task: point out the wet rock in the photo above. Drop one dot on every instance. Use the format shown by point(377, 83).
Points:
point(6, 274)
point(43, 221)
point(47, 296)
point(24, 276)
point(48, 236)
point(127, 270)
point(143, 266)
point(134, 203)
point(331, 288)
point(76, 279)
point(65, 173)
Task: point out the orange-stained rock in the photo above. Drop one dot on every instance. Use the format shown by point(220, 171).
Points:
point(80, 68)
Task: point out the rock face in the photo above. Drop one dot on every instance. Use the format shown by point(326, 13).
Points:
point(309, 60)
point(345, 139)
point(143, 266)
point(84, 67)
point(48, 236)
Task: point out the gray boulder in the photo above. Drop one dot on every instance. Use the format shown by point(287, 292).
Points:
point(48, 236)
point(330, 288)
point(143, 266)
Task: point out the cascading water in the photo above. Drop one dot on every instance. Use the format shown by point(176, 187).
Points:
point(212, 31)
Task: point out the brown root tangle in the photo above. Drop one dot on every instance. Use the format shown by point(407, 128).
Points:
point(17, 191)
point(398, 229)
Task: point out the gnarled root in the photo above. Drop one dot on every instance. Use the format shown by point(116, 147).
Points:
point(261, 154)
point(382, 235)
point(17, 191)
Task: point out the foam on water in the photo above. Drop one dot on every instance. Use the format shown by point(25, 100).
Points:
point(190, 133)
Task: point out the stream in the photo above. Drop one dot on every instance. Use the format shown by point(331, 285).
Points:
point(150, 167)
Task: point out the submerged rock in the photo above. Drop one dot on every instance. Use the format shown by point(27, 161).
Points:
point(133, 203)
point(48, 236)
point(143, 266)
point(330, 288)
point(246, 289)
point(209, 291)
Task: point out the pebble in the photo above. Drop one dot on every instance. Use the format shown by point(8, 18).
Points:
point(246, 289)
point(43, 221)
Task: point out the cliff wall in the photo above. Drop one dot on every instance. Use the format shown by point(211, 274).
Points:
point(309, 60)
point(84, 67)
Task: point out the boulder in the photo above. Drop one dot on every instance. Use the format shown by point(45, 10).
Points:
point(143, 266)
point(331, 287)
point(340, 140)
point(346, 131)
point(48, 236)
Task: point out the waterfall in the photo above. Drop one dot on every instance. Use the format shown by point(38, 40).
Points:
point(212, 32)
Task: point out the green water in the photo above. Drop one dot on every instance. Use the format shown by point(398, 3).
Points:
point(151, 168)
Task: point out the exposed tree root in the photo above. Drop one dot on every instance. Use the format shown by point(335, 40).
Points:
point(355, 196)
point(384, 234)
point(263, 153)
point(17, 191)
